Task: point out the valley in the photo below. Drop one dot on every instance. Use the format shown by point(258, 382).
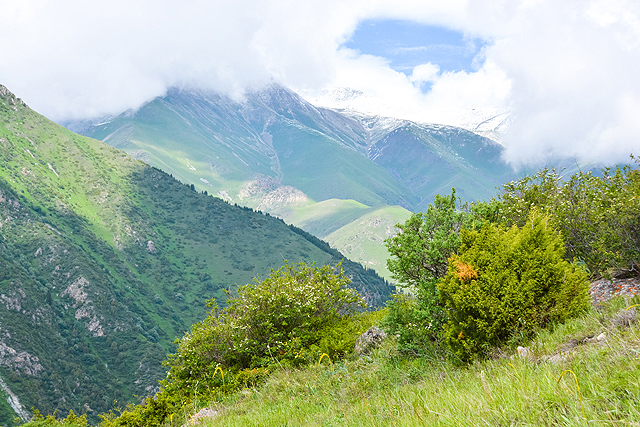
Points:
point(322, 170)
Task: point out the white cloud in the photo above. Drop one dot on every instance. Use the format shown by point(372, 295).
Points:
point(568, 68)
point(72, 58)
point(424, 73)
point(488, 87)
point(574, 82)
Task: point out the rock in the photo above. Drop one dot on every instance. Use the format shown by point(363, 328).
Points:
point(201, 416)
point(524, 353)
point(370, 340)
point(597, 339)
point(557, 358)
point(603, 289)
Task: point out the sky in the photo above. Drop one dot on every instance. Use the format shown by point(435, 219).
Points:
point(566, 70)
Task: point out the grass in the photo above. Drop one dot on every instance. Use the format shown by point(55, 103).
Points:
point(362, 240)
point(595, 384)
point(322, 218)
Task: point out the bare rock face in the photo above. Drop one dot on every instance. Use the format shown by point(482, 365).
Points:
point(10, 97)
point(4, 91)
point(370, 340)
point(258, 188)
point(283, 196)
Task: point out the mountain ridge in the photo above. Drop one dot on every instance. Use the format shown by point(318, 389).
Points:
point(276, 152)
point(260, 110)
point(105, 260)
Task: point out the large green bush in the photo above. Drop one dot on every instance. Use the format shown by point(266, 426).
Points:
point(287, 318)
point(598, 216)
point(506, 283)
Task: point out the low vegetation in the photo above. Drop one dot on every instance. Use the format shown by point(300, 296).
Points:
point(566, 378)
point(297, 313)
point(590, 384)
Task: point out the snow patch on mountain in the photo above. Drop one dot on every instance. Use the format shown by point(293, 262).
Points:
point(488, 122)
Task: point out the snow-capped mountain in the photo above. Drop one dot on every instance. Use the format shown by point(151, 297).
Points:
point(224, 147)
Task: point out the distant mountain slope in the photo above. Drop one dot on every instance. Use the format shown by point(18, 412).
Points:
point(455, 158)
point(362, 240)
point(273, 135)
point(316, 168)
point(223, 146)
point(104, 261)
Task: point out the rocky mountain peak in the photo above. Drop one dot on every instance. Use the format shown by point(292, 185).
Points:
point(6, 94)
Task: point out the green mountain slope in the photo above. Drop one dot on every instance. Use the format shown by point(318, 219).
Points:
point(432, 159)
point(362, 240)
point(223, 146)
point(105, 260)
point(316, 168)
point(273, 136)
point(323, 218)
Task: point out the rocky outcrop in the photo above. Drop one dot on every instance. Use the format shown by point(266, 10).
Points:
point(370, 340)
point(10, 98)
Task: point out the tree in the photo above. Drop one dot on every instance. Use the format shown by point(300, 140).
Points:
point(421, 251)
point(598, 216)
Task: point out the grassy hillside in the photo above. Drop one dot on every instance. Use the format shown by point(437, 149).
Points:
point(569, 377)
point(363, 239)
point(104, 261)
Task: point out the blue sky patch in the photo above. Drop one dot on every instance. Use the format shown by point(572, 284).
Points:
point(407, 44)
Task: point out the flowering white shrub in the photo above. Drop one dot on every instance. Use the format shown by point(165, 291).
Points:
point(279, 318)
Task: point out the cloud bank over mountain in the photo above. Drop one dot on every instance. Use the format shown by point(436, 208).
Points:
point(566, 69)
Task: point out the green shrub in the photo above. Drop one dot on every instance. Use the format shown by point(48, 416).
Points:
point(406, 321)
point(72, 420)
point(250, 377)
point(339, 339)
point(598, 216)
point(153, 411)
point(278, 320)
point(506, 283)
point(289, 319)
